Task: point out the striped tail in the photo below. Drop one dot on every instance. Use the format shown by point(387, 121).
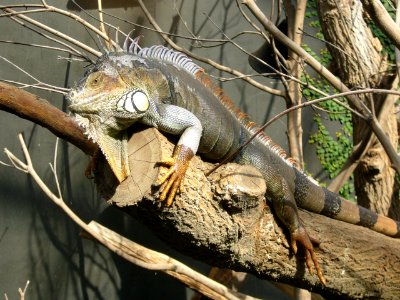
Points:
point(322, 201)
point(341, 209)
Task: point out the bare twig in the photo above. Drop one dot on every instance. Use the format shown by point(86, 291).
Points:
point(24, 12)
point(206, 60)
point(41, 46)
point(100, 8)
point(58, 41)
point(58, 33)
point(23, 85)
point(195, 39)
point(295, 12)
point(243, 49)
point(23, 292)
point(20, 291)
point(39, 83)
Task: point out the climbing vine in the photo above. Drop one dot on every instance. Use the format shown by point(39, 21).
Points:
point(332, 147)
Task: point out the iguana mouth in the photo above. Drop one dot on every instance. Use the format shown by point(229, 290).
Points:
point(86, 104)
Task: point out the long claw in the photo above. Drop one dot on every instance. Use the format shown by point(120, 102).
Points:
point(309, 262)
point(302, 238)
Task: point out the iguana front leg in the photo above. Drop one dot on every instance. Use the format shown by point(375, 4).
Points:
point(176, 120)
point(174, 178)
point(286, 209)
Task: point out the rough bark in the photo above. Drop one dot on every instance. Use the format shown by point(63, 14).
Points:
point(360, 63)
point(295, 15)
point(224, 220)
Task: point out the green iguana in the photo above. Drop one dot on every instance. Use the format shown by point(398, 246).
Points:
point(163, 88)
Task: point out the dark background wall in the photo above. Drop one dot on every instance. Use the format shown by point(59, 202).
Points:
point(37, 241)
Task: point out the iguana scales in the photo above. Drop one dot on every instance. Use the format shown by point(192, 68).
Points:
point(163, 88)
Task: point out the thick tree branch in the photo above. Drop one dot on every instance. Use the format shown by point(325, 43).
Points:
point(39, 111)
point(381, 17)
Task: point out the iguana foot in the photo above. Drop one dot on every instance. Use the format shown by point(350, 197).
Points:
point(300, 237)
point(172, 181)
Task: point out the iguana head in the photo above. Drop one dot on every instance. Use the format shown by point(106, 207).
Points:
point(114, 94)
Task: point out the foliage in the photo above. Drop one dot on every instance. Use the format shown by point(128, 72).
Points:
point(332, 149)
point(387, 44)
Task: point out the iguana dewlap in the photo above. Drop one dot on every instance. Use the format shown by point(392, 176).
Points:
point(165, 89)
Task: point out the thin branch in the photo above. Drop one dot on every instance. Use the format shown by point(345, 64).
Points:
point(58, 33)
point(23, 85)
point(225, 79)
point(23, 292)
point(77, 18)
point(41, 46)
point(184, 37)
point(20, 6)
point(38, 82)
point(206, 60)
point(77, 52)
point(295, 12)
point(194, 37)
point(242, 49)
point(24, 12)
point(100, 8)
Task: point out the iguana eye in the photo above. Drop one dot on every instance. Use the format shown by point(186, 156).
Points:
point(94, 80)
point(134, 102)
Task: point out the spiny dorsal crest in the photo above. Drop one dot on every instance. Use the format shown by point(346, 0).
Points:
point(161, 53)
point(180, 59)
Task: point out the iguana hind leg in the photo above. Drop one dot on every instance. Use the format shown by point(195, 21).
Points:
point(300, 237)
point(286, 209)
